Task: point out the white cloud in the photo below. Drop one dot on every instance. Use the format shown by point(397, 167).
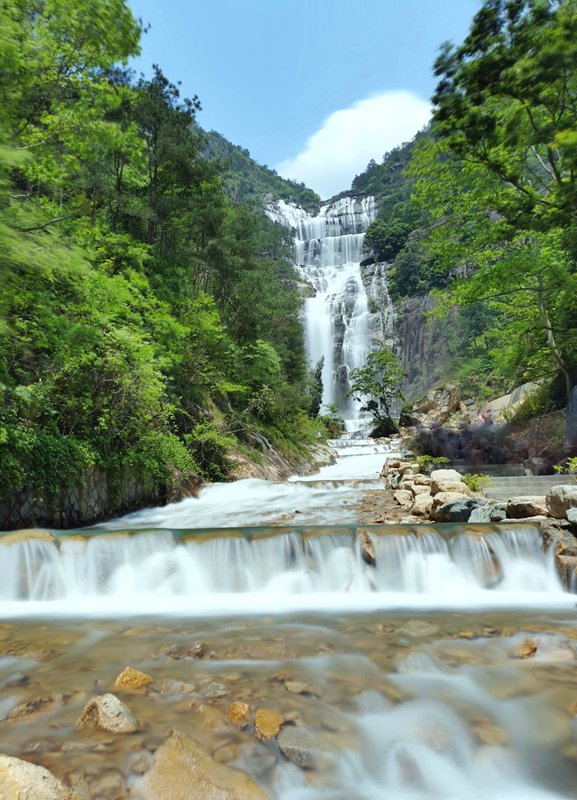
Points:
point(350, 137)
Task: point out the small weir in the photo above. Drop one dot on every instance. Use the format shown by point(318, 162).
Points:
point(206, 571)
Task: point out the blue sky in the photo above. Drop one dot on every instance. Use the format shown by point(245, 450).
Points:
point(313, 88)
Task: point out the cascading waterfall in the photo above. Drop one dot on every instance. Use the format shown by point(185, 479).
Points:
point(303, 568)
point(328, 251)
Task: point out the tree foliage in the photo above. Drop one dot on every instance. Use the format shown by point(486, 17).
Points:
point(377, 386)
point(142, 310)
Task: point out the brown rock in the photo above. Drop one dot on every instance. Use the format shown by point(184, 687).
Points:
point(522, 507)
point(422, 506)
point(447, 497)
point(267, 723)
point(450, 486)
point(108, 713)
point(34, 708)
point(20, 780)
point(367, 548)
point(238, 714)
point(526, 649)
point(181, 770)
point(403, 497)
point(131, 680)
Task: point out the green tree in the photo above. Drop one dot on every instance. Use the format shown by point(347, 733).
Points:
point(377, 386)
point(385, 239)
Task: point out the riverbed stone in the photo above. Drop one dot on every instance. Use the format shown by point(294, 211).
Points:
point(20, 780)
point(267, 723)
point(181, 770)
point(32, 709)
point(522, 507)
point(238, 714)
point(560, 499)
point(106, 712)
point(304, 748)
point(131, 680)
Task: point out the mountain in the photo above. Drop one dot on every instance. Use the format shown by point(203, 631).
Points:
point(246, 179)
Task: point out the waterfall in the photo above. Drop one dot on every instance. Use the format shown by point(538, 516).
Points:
point(212, 571)
point(328, 252)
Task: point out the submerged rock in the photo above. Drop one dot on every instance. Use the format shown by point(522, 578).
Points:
point(181, 770)
point(267, 723)
point(25, 712)
point(303, 747)
point(131, 680)
point(20, 780)
point(367, 547)
point(108, 713)
point(238, 714)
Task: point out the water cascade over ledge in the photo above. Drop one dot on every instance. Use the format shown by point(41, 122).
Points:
point(328, 252)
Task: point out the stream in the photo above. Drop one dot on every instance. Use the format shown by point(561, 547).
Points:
point(445, 671)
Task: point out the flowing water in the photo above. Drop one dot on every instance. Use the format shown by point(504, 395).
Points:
point(446, 670)
point(328, 252)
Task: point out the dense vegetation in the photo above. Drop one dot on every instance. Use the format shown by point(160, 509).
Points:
point(494, 187)
point(130, 338)
point(245, 179)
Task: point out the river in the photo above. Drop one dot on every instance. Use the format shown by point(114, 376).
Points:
point(432, 675)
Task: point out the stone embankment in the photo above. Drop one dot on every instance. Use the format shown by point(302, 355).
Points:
point(443, 496)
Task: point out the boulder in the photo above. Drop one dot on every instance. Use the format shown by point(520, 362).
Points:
point(422, 480)
point(131, 680)
point(456, 510)
point(447, 497)
point(571, 515)
point(446, 475)
point(422, 506)
point(491, 512)
point(303, 747)
point(238, 714)
point(521, 507)
point(420, 489)
point(108, 713)
point(181, 770)
point(267, 723)
point(560, 499)
point(450, 486)
point(404, 498)
point(20, 780)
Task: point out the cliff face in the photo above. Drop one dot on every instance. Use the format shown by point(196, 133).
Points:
point(422, 344)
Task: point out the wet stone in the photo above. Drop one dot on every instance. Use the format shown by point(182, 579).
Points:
point(238, 714)
point(131, 680)
point(267, 723)
point(32, 709)
point(108, 713)
point(304, 748)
